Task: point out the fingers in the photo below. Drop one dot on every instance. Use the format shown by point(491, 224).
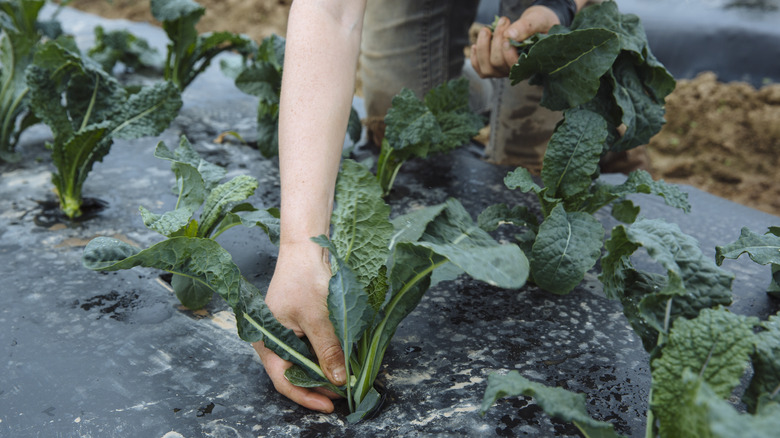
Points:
point(492, 55)
point(327, 348)
point(275, 367)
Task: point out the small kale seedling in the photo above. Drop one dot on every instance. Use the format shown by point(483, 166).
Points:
point(86, 108)
point(222, 206)
point(22, 34)
point(263, 79)
point(439, 123)
point(121, 46)
point(762, 249)
point(602, 73)
point(189, 54)
point(699, 351)
point(383, 268)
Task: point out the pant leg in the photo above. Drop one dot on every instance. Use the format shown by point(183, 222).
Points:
point(416, 44)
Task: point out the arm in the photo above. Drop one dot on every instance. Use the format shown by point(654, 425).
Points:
point(317, 88)
point(493, 56)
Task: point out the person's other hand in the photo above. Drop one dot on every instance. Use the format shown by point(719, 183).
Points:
point(297, 296)
point(492, 56)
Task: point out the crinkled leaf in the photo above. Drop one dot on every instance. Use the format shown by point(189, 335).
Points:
point(211, 173)
point(18, 41)
point(222, 198)
point(766, 365)
point(638, 181)
point(521, 178)
point(643, 114)
point(572, 156)
point(724, 421)
point(148, 112)
point(495, 215)
point(411, 125)
point(168, 224)
point(692, 282)
point(715, 346)
point(555, 402)
point(625, 211)
point(568, 65)
point(360, 220)
point(354, 126)
point(122, 46)
point(566, 247)
point(449, 103)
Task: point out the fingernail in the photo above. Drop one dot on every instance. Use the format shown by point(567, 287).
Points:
point(512, 33)
point(338, 375)
point(502, 21)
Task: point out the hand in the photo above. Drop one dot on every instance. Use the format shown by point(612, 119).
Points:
point(297, 296)
point(493, 56)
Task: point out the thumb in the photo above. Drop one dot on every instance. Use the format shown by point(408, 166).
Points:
point(328, 350)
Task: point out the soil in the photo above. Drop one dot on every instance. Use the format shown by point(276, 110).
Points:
point(720, 137)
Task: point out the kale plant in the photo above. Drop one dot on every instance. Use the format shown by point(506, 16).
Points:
point(439, 123)
point(602, 74)
point(222, 207)
point(21, 36)
point(263, 79)
point(762, 249)
point(121, 46)
point(86, 109)
point(699, 351)
point(189, 54)
point(381, 271)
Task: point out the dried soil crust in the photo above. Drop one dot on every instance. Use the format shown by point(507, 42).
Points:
point(722, 138)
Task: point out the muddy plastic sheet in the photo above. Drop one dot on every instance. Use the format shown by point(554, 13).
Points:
point(113, 354)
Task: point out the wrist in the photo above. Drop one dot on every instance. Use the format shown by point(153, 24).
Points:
point(564, 9)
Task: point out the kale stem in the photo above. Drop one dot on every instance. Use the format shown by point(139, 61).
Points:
point(91, 104)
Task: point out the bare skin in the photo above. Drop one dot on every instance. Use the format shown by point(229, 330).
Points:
point(323, 41)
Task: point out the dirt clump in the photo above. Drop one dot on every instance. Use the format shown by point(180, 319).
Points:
point(723, 138)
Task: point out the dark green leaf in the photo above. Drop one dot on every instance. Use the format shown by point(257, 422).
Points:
point(715, 346)
point(222, 198)
point(360, 220)
point(625, 211)
point(454, 235)
point(566, 247)
point(572, 157)
point(369, 402)
point(766, 365)
point(556, 402)
point(762, 249)
point(148, 112)
point(192, 293)
point(569, 65)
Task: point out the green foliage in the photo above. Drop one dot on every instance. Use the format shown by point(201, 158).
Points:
point(21, 36)
point(652, 302)
point(762, 249)
point(189, 53)
point(221, 207)
point(123, 47)
point(86, 109)
point(556, 402)
point(439, 123)
point(601, 73)
point(699, 350)
point(383, 269)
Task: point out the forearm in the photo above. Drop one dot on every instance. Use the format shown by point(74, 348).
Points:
point(317, 88)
